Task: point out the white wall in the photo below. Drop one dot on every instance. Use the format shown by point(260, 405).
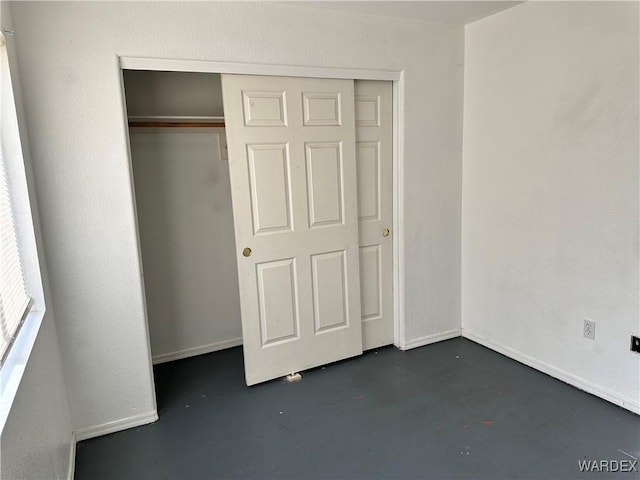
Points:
point(550, 190)
point(36, 439)
point(69, 63)
point(185, 219)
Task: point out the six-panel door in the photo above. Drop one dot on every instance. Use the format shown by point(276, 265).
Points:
point(292, 164)
point(373, 116)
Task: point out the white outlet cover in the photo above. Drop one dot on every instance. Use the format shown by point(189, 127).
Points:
point(589, 329)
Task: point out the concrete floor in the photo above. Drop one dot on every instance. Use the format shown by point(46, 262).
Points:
point(449, 410)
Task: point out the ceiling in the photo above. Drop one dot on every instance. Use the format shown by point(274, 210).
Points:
point(448, 11)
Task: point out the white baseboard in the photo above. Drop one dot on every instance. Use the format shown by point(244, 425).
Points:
point(72, 457)
point(192, 352)
point(573, 380)
point(116, 426)
point(422, 341)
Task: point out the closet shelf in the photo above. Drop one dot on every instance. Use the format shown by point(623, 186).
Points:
point(175, 121)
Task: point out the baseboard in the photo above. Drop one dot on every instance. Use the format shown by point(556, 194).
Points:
point(192, 352)
point(116, 426)
point(573, 380)
point(422, 341)
point(72, 457)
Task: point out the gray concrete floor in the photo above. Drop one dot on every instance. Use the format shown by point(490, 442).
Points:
point(449, 410)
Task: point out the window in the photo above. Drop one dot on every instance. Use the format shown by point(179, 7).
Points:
point(20, 315)
point(21, 293)
point(14, 300)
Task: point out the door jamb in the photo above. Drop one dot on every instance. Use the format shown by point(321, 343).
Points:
point(397, 77)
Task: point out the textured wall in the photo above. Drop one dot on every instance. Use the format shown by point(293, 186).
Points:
point(36, 439)
point(550, 189)
point(68, 56)
point(183, 199)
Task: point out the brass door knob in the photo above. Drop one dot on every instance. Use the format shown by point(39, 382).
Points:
point(246, 252)
point(385, 232)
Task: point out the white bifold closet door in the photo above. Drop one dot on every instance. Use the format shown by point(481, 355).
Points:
point(292, 166)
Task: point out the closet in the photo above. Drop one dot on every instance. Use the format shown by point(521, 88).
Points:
point(185, 220)
point(285, 247)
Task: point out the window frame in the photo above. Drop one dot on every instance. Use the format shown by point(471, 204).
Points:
point(15, 158)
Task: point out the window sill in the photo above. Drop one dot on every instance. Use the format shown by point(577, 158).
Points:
point(16, 362)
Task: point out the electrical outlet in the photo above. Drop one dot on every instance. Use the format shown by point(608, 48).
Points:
point(635, 344)
point(589, 329)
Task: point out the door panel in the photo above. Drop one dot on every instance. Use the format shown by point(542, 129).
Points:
point(270, 186)
point(321, 108)
point(373, 115)
point(329, 291)
point(292, 166)
point(324, 183)
point(368, 161)
point(370, 276)
point(264, 109)
point(278, 300)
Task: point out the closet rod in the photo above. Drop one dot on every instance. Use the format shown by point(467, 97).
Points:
point(176, 122)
